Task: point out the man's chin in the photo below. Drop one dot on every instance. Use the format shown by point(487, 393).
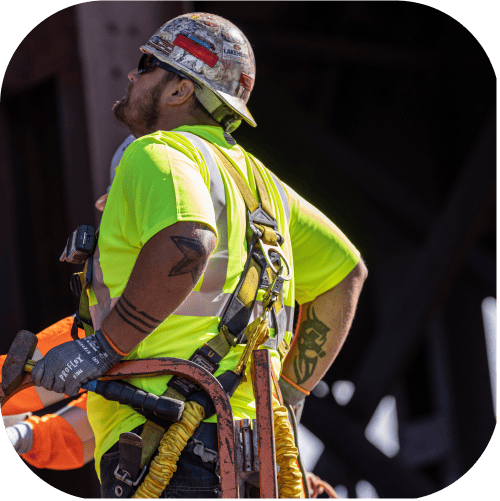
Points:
point(119, 111)
point(119, 108)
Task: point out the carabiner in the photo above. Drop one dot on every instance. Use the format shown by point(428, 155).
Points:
point(265, 250)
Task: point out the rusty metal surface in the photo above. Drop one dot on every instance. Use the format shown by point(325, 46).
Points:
point(175, 366)
point(238, 445)
point(255, 446)
point(247, 445)
point(265, 424)
point(21, 349)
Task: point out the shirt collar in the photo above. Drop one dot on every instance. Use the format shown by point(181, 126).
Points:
point(211, 133)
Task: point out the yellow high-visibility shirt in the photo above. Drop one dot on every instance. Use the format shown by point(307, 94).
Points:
point(169, 177)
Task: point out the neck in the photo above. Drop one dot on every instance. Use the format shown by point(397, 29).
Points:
point(174, 118)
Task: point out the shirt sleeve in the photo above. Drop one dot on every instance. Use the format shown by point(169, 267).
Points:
point(162, 186)
point(322, 255)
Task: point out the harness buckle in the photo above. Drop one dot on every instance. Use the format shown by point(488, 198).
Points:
point(260, 216)
point(276, 249)
point(123, 478)
point(273, 291)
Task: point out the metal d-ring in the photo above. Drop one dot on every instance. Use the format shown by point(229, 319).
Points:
point(265, 250)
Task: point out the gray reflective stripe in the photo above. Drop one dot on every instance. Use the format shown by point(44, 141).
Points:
point(283, 197)
point(199, 304)
point(210, 300)
point(217, 193)
point(289, 310)
point(203, 304)
point(215, 275)
point(77, 419)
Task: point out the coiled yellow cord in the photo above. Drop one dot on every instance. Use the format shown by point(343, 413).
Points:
point(164, 465)
point(289, 476)
point(175, 439)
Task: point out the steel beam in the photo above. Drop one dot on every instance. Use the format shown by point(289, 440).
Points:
point(429, 277)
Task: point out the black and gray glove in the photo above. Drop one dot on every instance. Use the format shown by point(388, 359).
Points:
point(67, 366)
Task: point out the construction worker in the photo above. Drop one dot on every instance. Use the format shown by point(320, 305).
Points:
point(172, 248)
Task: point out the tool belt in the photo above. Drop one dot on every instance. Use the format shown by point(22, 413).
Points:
point(263, 270)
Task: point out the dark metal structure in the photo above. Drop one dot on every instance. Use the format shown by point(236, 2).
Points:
point(382, 114)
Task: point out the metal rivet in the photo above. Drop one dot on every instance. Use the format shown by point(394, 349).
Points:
point(118, 491)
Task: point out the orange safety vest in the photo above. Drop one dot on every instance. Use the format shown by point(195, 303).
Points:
point(64, 440)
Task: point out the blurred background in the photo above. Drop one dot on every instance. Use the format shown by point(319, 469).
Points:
point(382, 114)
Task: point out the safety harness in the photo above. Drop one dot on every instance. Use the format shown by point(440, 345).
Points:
point(264, 269)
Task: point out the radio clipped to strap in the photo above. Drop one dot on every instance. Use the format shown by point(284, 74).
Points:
point(266, 266)
point(80, 249)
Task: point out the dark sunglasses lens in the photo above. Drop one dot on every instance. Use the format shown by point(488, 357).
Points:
point(146, 63)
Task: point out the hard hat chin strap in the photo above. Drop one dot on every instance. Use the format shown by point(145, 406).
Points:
point(221, 113)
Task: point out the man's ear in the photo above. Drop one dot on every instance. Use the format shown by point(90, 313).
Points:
point(179, 93)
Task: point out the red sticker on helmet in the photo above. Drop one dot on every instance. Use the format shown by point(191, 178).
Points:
point(196, 50)
point(246, 81)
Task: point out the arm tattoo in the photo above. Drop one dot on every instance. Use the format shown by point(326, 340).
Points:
point(192, 261)
point(312, 337)
point(139, 320)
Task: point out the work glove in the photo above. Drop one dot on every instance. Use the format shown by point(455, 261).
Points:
point(21, 437)
point(67, 366)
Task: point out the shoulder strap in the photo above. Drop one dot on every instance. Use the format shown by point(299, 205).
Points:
point(237, 314)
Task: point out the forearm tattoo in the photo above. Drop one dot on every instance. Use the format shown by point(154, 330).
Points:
point(311, 338)
point(192, 262)
point(139, 320)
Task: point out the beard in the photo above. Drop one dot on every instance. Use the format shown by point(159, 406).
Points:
point(140, 116)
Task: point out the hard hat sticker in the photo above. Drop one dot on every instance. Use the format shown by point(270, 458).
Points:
point(207, 45)
point(233, 52)
point(246, 81)
point(161, 45)
point(196, 50)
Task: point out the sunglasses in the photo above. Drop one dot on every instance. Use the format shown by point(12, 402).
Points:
point(148, 62)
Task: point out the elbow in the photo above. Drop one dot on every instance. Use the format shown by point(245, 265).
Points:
point(360, 271)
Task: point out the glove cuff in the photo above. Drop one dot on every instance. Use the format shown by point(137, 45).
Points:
point(291, 395)
point(113, 356)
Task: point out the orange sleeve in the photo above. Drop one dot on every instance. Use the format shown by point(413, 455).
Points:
point(36, 398)
point(62, 441)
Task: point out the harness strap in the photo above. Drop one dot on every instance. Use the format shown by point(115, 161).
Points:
point(245, 295)
point(251, 202)
point(241, 304)
point(82, 316)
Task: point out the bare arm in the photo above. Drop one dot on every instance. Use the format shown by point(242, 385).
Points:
point(323, 326)
point(166, 271)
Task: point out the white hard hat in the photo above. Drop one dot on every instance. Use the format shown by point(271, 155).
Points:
point(216, 55)
point(117, 157)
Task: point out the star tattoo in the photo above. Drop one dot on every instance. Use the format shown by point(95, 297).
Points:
point(191, 262)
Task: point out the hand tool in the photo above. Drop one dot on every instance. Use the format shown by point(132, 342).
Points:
point(18, 363)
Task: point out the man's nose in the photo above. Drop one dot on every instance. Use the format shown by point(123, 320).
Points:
point(133, 75)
